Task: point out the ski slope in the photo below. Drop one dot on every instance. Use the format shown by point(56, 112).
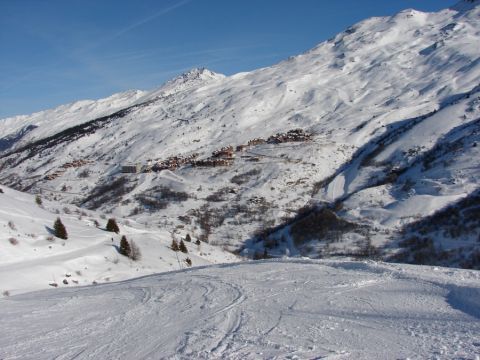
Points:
point(295, 309)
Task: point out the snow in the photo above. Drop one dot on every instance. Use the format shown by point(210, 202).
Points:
point(377, 98)
point(89, 254)
point(70, 114)
point(393, 108)
point(285, 309)
point(465, 5)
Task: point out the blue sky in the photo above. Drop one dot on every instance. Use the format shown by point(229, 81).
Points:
point(58, 51)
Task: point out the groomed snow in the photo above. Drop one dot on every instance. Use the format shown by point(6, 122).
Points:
point(259, 310)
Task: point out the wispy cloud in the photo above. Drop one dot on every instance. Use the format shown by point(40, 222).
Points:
point(82, 53)
point(148, 19)
point(133, 26)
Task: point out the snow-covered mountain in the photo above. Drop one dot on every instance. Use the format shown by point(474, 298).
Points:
point(380, 127)
point(49, 122)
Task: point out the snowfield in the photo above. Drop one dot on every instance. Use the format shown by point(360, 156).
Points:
point(286, 309)
point(31, 258)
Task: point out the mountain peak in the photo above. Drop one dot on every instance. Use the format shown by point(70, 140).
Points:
point(195, 74)
point(191, 78)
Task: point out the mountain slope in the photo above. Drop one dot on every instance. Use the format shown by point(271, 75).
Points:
point(65, 116)
point(383, 132)
point(267, 310)
point(32, 258)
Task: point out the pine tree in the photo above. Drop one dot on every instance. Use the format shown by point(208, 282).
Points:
point(112, 226)
point(38, 200)
point(59, 229)
point(188, 238)
point(198, 242)
point(182, 247)
point(188, 261)
point(125, 247)
point(174, 245)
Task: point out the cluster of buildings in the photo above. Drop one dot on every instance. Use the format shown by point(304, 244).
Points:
point(296, 135)
point(221, 157)
point(64, 167)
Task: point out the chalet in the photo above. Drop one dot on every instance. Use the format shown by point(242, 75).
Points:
point(54, 175)
point(212, 162)
point(131, 168)
point(256, 141)
point(224, 152)
point(76, 163)
point(174, 162)
point(241, 148)
point(296, 135)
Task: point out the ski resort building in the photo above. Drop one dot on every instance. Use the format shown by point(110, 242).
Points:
point(131, 168)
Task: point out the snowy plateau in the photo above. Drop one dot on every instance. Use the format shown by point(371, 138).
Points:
point(331, 203)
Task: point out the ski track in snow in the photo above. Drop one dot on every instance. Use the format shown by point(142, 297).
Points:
point(271, 309)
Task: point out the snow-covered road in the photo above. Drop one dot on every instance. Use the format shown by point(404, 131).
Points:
point(272, 309)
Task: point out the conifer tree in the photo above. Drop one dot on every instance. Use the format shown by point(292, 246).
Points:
point(174, 245)
point(112, 226)
point(125, 247)
point(182, 247)
point(135, 254)
point(188, 238)
point(59, 229)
